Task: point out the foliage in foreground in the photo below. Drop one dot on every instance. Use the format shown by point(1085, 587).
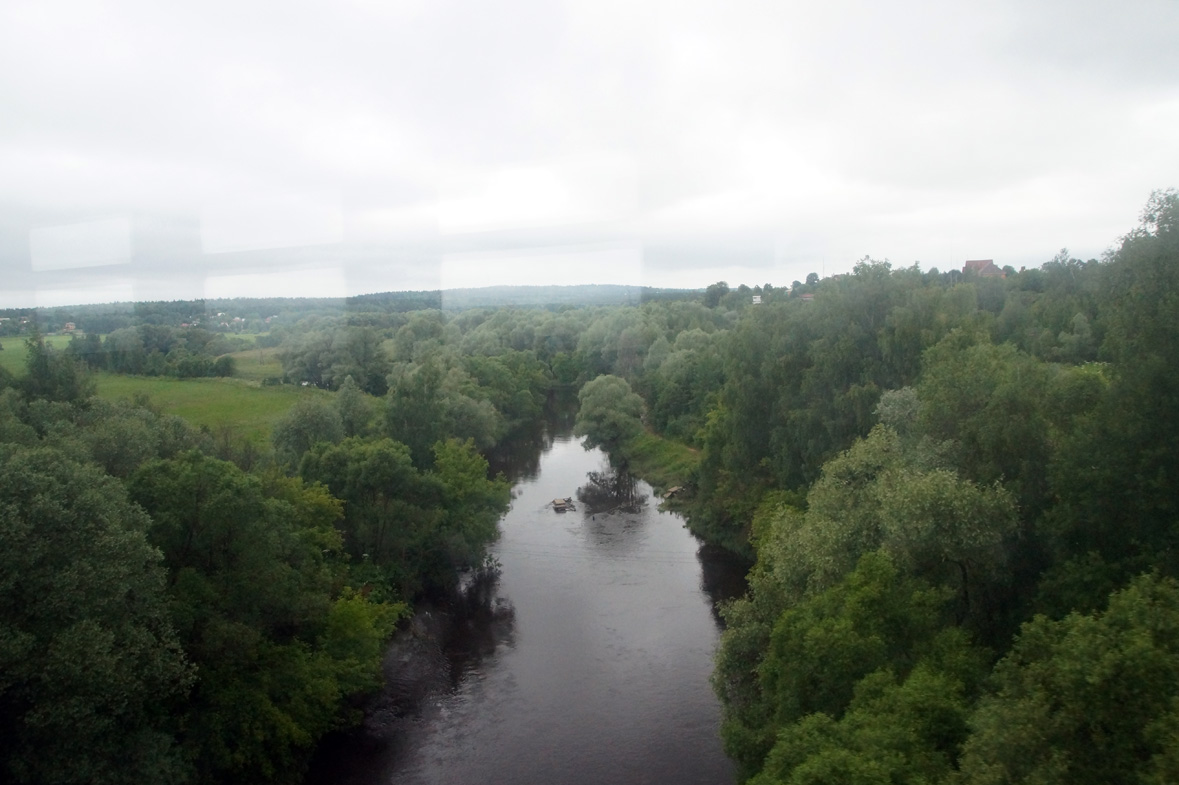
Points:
point(166, 616)
point(982, 587)
point(91, 666)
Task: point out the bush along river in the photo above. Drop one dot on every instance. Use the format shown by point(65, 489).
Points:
point(584, 658)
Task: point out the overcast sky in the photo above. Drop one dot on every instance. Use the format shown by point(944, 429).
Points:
point(163, 151)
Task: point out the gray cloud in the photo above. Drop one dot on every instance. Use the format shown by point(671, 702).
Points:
point(703, 140)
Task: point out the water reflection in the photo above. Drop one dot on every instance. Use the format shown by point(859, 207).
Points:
point(722, 575)
point(518, 458)
point(479, 622)
point(450, 636)
point(610, 491)
point(595, 671)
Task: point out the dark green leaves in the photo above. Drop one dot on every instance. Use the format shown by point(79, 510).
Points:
point(89, 662)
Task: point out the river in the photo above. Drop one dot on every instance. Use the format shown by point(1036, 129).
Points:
point(584, 658)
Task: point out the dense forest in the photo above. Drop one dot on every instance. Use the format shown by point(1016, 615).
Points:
point(959, 491)
point(962, 501)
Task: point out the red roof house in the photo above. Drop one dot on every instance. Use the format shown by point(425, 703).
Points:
point(983, 268)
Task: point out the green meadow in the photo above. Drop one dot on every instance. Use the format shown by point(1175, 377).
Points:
point(12, 356)
point(13, 351)
point(240, 403)
point(246, 409)
point(257, 364)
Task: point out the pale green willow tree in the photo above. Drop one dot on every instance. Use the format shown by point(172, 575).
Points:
point(886, 492)
point(610, 414)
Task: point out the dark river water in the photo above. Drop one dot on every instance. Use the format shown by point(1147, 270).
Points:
point(585, 659)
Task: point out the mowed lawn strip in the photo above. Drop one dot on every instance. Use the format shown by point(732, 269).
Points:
point(249, 411)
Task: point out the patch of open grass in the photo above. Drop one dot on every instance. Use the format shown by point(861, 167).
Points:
point(661, 462)
point(12, 356)
point(240, 404)
point(257, 364)
point(249, 410)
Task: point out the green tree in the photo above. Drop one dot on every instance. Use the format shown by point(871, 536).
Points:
point(1086, 699)
point(894, 730)
point(124, 351)
point(714, 293)
point(874, 618)
point(473, 503)
point(989, 402)
point(54, 375)
point(354, 407)
point(357, 352)
point(896, 495)
point(252, 572)
point(816, 683)
point(90, 664)
point(1111, 474)
point(308, 422)
point(393, 515)
point(610, 414)
point(436, 399)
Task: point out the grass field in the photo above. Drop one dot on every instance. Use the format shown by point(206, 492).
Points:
point(661, 462)
point(240, 403)
point(247, 409)
point(257, 364)
point(12, 357)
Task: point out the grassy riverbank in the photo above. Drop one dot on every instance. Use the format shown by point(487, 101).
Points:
point(661, 462)
point(665, 464)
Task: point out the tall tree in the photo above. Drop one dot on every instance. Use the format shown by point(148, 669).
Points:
point(54, 375)
point(610, 414)
point(309, 421)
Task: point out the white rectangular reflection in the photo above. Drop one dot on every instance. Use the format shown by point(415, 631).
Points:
point(86, 244)
point(560, 266)
point(120, 292)
point(538, 195)
point(317, 282)
point(285, 220)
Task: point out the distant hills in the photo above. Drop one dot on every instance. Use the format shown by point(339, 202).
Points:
point(106, 317)
point(527, 296)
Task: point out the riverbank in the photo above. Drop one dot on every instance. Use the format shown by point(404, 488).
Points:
point(587, 659)
point(661, 463)
point(664, 464)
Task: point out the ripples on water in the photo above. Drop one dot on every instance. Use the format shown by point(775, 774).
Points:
point(586, 660)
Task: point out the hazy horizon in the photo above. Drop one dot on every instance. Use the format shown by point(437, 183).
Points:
point(467, 291)
point(152, 153)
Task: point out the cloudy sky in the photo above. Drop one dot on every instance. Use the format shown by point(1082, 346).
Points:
point(162, 150)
